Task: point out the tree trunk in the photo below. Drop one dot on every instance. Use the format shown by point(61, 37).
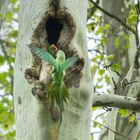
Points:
point(125, 57)
point(34, 121)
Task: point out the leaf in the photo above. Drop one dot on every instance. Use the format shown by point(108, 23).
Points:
point(13, 33)
point(10, 135)
point(94, 108)
point(43, 55)
point(91, 27)
point(106, 26)
point(132, 118)
point(117, 42)
point(116, 67)
point(13, 1)
point(94, 68)
point(11, 59)
point(103, 40)
point(124, 112)
point(127, 46)
point(3, 76)
point(69, 62)
point(98, 87)
point(2, 60)
point(101, 72)
point(110, 57)
point(2, 16)
point(132, 19)
point(99, 31)
point(9, 15)
point(107, 78)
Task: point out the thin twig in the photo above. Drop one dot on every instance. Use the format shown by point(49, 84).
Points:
point(118, 74)
point(115, 17)
point(137, 33)
point(96, 50)
point(137, 56)
point(117, 133)
point(7, 59)
point(4, 95)
point(107, 66)
point(92, 10)
point(6, 56)
point(92, 38)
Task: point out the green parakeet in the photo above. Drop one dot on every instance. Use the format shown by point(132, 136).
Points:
point(57, 90)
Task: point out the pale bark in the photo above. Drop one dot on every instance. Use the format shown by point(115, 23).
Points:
point(33, 118)
point(110, 100)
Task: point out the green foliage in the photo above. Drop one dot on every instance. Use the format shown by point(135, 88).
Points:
point(126, 113)
point(108, 42)
point(2, 60)
point(117, 42)
point(91, 26)
point(8, 41)
point(116, 67)
point(101, 71)
point(13, 1)
point(132, 117)
point(91, 137)
point(99, 59)
point(133, 16)
point(123, 112)
point(107, 78)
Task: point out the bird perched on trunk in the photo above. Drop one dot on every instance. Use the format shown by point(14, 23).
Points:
point(56, 90)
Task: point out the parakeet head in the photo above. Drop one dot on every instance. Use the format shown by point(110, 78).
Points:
point(60, 57)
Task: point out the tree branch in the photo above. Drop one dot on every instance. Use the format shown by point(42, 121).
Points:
point(117, 133)
point(5, 54)
point(137, 32)
point(113, 16)
point(92, 10)
point(111, 100)
point(7, 59)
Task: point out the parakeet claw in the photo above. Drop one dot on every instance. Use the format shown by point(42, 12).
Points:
point(31, 75)
point(38, 90)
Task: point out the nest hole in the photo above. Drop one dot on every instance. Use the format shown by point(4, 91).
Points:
point(53, 28)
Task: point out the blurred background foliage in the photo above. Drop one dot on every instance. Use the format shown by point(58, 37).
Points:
point(8, 43)
point(97, 32)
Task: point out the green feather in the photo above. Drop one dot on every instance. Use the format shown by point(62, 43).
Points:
point(60, 57)
point(57, 90)
point(43, 55)
point(69, 62)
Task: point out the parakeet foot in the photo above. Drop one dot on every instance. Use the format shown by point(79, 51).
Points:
point(31, 75)
point(38, 90)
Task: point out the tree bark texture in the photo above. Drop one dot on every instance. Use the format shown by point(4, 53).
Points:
point(34, 121)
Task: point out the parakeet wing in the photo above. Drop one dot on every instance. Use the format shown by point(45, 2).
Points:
point(69, 62)
point(42, 54)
